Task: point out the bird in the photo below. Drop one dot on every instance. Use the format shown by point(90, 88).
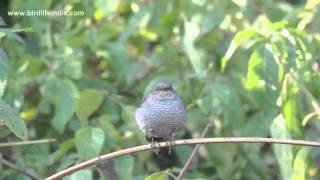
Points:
point(162, 113)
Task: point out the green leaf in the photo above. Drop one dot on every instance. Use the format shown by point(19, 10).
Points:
point(112, 133)
point(192, 31)
point(162, 175)
point(10, 118)
point(124, 167)
point(283, 152)
point(89, 142)
point(240, 37)
point(88, 103)
point(64, 94)
point(84, 174)
point(118, 60)
point(73, 69)
point(300, 165)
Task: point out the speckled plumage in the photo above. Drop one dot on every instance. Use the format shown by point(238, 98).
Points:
point(162, 113)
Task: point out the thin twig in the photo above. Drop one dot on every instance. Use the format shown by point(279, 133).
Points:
point(195, 150)
point(26, 142)
point(17, 168)
point(136, 149)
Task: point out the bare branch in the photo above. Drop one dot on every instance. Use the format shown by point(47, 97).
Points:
point(136, 149)
point(26, 142)
point(195, 150)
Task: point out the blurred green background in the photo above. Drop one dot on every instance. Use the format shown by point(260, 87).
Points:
point(251, 68)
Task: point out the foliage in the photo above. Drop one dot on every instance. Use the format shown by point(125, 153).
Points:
point(249, 67)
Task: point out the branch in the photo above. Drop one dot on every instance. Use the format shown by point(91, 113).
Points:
point(136, 149)
point(26, 142)
point(186, 166)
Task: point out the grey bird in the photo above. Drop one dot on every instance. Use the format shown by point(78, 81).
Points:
point(162, 113)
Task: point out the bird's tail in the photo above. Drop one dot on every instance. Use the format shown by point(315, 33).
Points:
point(163, 158)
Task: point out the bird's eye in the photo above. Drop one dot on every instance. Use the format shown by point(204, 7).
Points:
point(157, 89)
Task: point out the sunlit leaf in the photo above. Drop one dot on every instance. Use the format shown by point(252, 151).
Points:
point(240, 37)
point(192, 31)
point(255, 68)
point(283, 152)
point(89, 142)
point(300, 165)
point(105, 7)
point(290, 111)
point(10, 118)
point(308, 117)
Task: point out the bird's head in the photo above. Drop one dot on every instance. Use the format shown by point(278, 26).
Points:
point(164, 90)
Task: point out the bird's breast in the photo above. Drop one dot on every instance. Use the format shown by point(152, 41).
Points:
point(167, 110)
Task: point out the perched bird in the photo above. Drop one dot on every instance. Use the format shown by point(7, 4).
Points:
point(162, 114)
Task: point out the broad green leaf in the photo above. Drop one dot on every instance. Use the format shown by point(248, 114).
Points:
point(124, 167)
point(283, 152)
point(240, 37)
point(84, 174)
point(112, 133)
point(73, 69)
point(10, 118)
point(162, 175)
point(64, 95)
point(300, 164)
point(192, 31)
point(88, 103)
point(89, 142)
point(118, 59)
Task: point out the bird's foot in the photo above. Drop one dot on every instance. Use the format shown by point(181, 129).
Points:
point(171, 143)
point(154, 147)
